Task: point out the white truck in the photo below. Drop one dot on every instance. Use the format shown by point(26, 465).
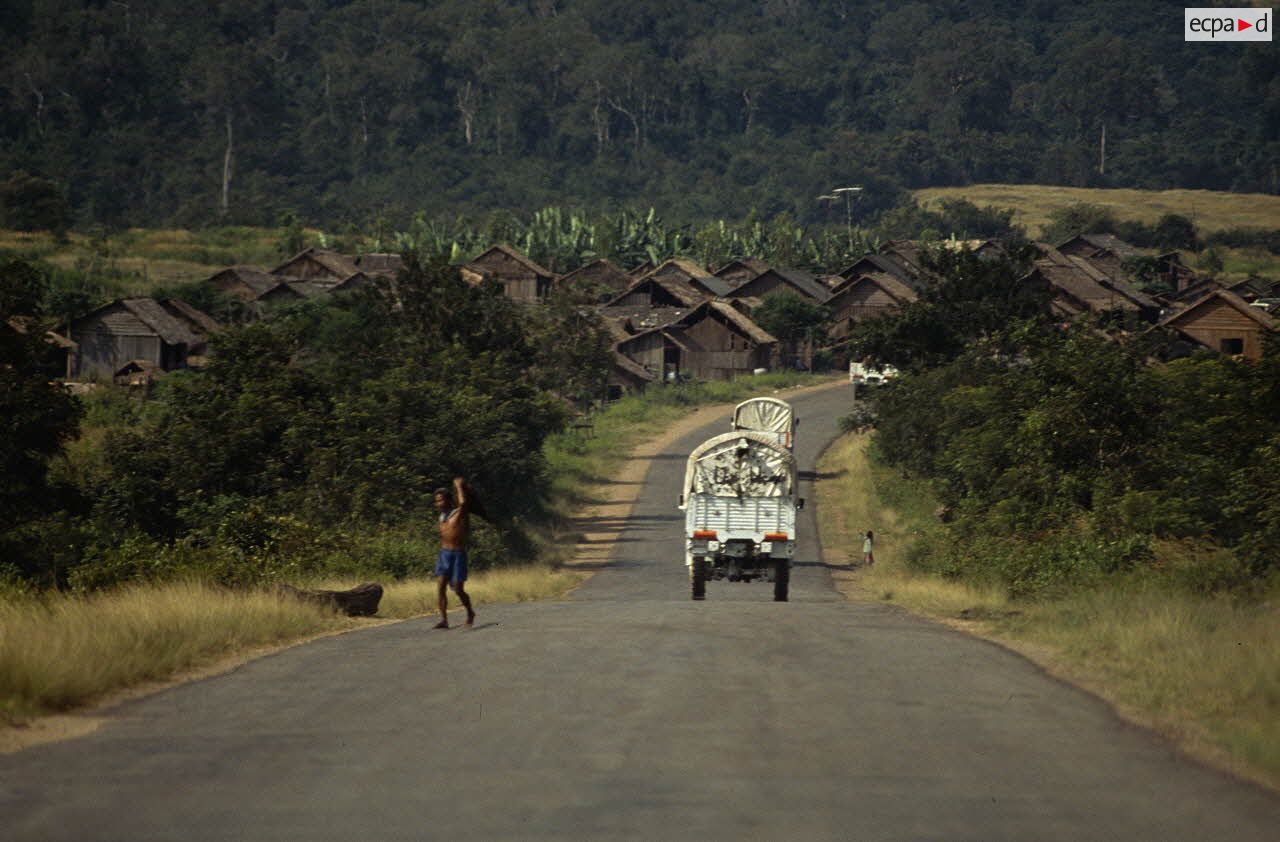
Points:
point(768, 415)
point(740, 502)
point(861, 374)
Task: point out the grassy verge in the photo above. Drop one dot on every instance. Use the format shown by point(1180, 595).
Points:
point(59, 652)
point(1203, 671)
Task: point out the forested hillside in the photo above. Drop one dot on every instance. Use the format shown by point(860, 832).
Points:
point(242, 110)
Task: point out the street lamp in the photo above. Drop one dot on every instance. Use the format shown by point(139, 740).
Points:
point(849, 193)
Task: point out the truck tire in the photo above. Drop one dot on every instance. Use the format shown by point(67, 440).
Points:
point(698, 577)
point(781, 580)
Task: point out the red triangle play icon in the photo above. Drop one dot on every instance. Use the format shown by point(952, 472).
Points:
point(1244, 24)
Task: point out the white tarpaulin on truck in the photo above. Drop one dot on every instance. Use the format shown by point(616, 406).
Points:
point(766, 414)
point(740, 464)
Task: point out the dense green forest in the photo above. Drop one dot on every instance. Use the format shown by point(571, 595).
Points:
point(347, 112)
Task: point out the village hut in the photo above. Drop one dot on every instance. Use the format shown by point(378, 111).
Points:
point(522, 279)
point(1222, 321)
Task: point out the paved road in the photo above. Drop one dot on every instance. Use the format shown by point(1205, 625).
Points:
point(630, 712)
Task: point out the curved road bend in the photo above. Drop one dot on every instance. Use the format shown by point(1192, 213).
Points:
point(630, 712)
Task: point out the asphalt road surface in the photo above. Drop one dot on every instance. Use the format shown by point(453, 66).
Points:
point(630, 712)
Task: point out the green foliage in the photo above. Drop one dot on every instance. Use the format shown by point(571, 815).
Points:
point(37, 416)
point(969, 298)
point(1059, 453)
point(1080, 218)
point(791, 318)
point(395, 106)
point(31, 203)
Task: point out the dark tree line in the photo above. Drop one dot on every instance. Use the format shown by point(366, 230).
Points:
point(245, 109)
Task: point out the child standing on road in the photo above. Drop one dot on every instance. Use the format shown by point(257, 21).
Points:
point(867, 556)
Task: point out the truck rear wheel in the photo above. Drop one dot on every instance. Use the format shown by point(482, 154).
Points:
point(781, 579)
point(698, 577)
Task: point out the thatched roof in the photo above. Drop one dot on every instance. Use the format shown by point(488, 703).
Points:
point(516, 255)
point(678, 288)
point(257, 281)
point(641, 317)
point(880, 263)
point(711, 309)
point(601, 272)
point(1103, 243)
point(376, 263)
point(339, 266)
point(802, 281)
point(170, 328)
point(629, 366)
point(202, 321)
point(690, 272)
point(895, 288)
point(754, 265)
point(26, 324)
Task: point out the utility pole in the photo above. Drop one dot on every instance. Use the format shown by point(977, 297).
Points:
point(849, 193)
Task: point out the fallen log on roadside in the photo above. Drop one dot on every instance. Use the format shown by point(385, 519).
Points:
point(360, 601)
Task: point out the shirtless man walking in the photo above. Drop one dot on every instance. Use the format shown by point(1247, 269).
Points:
point(451, 566)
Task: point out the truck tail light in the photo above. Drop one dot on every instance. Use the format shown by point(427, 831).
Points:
point(704, 533)
point(775, 536)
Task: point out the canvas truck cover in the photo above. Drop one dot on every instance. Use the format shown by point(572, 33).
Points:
point(741, 464)
point(766, 415)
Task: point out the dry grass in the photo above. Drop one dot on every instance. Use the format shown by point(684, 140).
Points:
point(1032, 204)
point(60, 652)
point(1203, 671)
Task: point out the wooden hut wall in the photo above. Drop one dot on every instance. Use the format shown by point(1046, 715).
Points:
point(864, 300)
point(1215, 324)
point(647, 350)
point(112, 338)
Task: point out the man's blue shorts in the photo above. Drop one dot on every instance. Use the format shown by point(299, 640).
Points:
point(453, 565)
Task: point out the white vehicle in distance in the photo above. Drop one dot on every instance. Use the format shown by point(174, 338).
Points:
point(866, 375)
point(768, 415)
point(740, 505)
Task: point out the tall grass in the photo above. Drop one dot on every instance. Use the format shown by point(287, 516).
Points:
point(61, 651)
point(1205, 670)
